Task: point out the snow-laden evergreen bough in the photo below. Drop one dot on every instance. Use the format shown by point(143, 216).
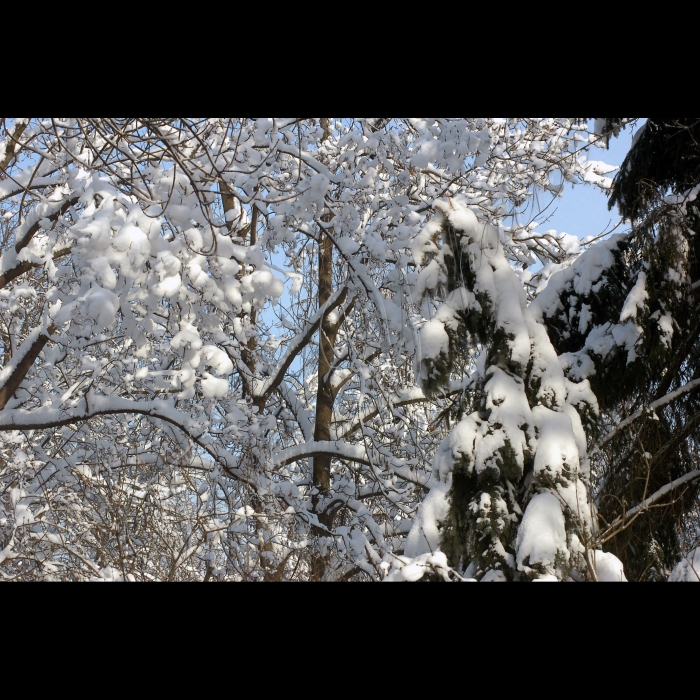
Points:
point(208, 347)
point(622, 318)
point(510, 496)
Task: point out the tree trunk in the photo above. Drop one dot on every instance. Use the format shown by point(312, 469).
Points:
point(325, 398)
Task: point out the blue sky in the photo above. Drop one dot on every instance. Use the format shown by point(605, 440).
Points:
point(583, 210)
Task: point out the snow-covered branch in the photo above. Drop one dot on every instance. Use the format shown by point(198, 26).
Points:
point(338, 450)
point(408, 397)
point(93, 406)
point(622, 522)
point(299, 343)
point(647, 410)
point(10, 146)
point(14, 373)
point(20, 268)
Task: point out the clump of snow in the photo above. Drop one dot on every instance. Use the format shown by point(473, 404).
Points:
point(188, 335)
point(495, 577)
point(213, 387)
point(434, 340)
point(665, 323)
point(582, 278)
point(636, 299)
point(600, 126)
point(217, 359)
point(411, 570)
point(111, 575)
point(594, 172)
point(688, 571)
point(260, 286)
point(168, 269)
point(133, 245)
point(609, 568)
point(7, 553)
point(510, 410)
point(424, 537)
point(542, 534)
point(557, 450)
point(422, 243)
point(101, 306)
point(545, 366)
point(23, 515)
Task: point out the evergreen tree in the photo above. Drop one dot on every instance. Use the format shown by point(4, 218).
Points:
point(665, 158)
point(625, 317)
point(515, 465)
point(612, 345)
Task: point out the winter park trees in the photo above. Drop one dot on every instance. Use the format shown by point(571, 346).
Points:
point(653, 398)
point(342, 349)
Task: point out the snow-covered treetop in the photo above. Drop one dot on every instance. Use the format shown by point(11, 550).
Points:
point(231, 314)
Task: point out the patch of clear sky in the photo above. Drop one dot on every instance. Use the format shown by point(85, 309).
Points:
point(583, 209)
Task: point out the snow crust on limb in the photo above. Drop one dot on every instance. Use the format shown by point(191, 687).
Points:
point(688, 571)
point(111, 575)
point(594, 172)
point(7, 371)
point(415, 569)
point(636, 299)
point(585, 276)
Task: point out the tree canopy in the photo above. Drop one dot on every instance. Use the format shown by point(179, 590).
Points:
point(337, 349)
